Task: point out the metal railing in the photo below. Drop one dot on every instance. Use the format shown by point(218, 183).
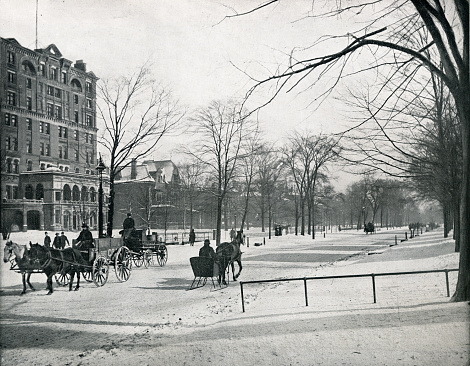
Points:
point(372, 275)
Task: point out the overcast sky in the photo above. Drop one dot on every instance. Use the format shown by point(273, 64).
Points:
point(192, 47)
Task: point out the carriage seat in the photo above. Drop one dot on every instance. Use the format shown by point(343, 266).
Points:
point(203, 268)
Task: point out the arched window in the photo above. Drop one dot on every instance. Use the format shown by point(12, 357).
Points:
point(28, 192)
point(39, 191)
point(28, 68)
point(84, 194)
point(92, 194)
point(76, 85)
point(67, 193)
point(77, 170)
point(75, 193)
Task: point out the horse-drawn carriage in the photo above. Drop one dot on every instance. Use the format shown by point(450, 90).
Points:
point(92, 260)
point(144, 249)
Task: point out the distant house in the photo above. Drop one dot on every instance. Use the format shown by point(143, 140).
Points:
point(150, 191)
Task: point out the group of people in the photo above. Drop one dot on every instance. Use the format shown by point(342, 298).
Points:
point(60, 241)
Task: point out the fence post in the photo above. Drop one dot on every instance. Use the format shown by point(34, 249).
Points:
point(447, 282)
point(396, 240)
point(306, 295)
point(373, 287)
point(243, 300)
point(264, 240)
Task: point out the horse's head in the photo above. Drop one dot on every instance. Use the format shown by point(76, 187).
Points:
point(8, 251)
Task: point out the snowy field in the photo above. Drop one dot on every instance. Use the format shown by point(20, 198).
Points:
point(153, 319)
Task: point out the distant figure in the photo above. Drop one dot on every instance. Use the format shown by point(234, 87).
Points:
point(128, 222)
point(207, 250)
point(232, 235)
point(56, 244)
point(63, 240)
point(47, 241)
point(85, 239)
point(192, 237)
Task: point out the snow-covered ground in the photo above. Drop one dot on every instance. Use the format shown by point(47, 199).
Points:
point(153, 319)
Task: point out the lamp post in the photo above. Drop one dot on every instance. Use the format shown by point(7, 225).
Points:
point(100, 169)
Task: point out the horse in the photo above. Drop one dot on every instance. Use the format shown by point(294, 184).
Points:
point(52, 261)
point(229, 253)
point(25, 262)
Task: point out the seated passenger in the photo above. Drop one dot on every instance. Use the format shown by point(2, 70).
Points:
point(207, 250)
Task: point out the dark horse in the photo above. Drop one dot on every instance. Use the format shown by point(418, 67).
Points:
point(24, 261)
point(229, 253)
point(52, 261)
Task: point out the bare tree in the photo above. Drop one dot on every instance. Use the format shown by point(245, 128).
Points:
point(448, 25)
point(190, 176)
point(136, 113)
point(222, 128)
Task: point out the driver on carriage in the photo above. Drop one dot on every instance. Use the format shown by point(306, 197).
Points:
point(129, 234)
point(207, 250)
point(85, 241)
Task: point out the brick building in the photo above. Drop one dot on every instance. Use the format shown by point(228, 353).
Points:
point(48, 135)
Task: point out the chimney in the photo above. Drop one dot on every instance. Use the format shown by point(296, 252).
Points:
point(133, 169)
point(79, 64)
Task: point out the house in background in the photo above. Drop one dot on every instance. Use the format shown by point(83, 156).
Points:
point(151, 192)
point(49, 145)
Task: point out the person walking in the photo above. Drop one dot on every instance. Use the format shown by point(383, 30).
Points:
point(47, 241)
point(56, 244)
point(64, 241)
point(192, 237)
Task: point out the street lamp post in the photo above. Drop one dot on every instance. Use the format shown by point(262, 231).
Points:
point(100, 169)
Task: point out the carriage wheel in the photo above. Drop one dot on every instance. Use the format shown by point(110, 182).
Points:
point(122, 264)
point(138, 259)
point(162, 255)
point(100, 271)
point(62, 279)
point(88, 276)
point(148, 258)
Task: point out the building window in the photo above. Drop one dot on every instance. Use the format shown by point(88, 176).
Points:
point(15, 192)
point(86, 137)
point(75, 98)
point(89, 120)
point(50, 90)
point(58, 93)
point(75, 135)
point(88, 87)
point(29, 103)
point(50, 110)
point(77, 170)
point(57, 198)
point(29, 124)
point(42, 69)
point(89, 103)
point(28, 83)
point(41, 149)
point(16, 167)
point(11, 98)
point(9, 166)
point(14, 120)
point(11, 57)
point(66, 154)
point(58, 112)
point(48, 150)
point(41, 86)
point(7, 119)
point(76, 155)
point(29, 147)
point(64, 77)
point(53, 73)
point(87, 157)
point(75, 114)
point(41, 127)
point(29, 165)
point(11, 77)
point(43, 166)
point(60, 152)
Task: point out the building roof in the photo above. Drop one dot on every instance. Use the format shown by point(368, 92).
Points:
point(142, 175)
point(164, 171)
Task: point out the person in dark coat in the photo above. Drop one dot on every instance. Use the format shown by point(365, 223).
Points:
point(63, 240)
point(128, 222)
point(207, 250)
point(85, 239)
point(47, 241)
point(192, 237)
point(56, 244)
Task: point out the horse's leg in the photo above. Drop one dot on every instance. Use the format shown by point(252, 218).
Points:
point(28, 282)
point(49, 282)
point(239, 268)
point(233, 271)
point(72, 276)
point(23, 277)
point(78, 280)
